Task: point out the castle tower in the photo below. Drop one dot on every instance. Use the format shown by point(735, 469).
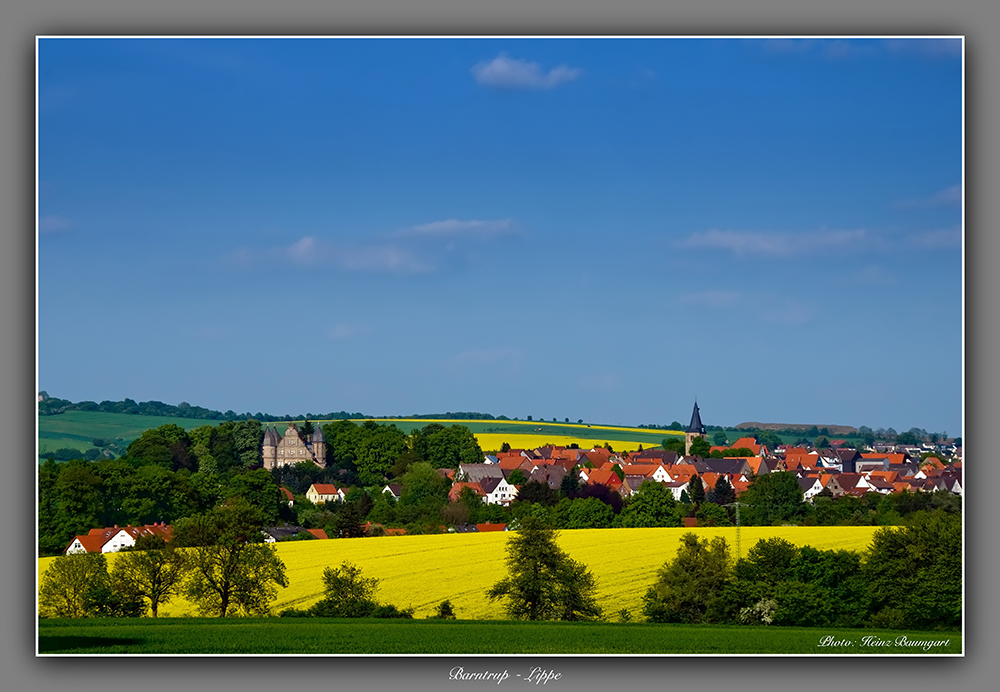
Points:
point(269, 448)
point(318, 443)
point(695, 429)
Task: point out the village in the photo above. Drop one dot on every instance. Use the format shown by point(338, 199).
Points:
point(717, 473)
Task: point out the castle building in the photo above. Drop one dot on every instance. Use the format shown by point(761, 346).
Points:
point(293, 447)
point(695, 429)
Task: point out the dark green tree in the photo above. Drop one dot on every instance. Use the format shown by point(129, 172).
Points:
point(688, 587)
point(63, 592)
point(651, 505)
point(723, 493)
point(773, 497)
point(674, 444)
point(232, 571)
point(445, 611)
point(153, 570)
point(517, 477)
point(914, 573)
point(348, 594)
point(542, 582)
point(700, 447)
point(538, 492)
point(697, 490)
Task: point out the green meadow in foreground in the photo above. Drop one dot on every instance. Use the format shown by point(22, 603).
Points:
point(330, 636)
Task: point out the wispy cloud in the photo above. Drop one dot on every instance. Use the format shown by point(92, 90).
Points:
point(455, 227)
point(940, 239)
point(927, 47)
point(373, 257)
point(875, 275)
point(786, 311)
point(713, 299)
point(54, 224)
point(841, 48)
point(417, 249)
point(504, 72)
point(767, 308)
point(948, 197)
point(774, 244)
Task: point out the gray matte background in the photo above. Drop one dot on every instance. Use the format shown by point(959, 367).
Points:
point(20, 23)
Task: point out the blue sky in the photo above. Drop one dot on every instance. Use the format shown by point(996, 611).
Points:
point(602, 229)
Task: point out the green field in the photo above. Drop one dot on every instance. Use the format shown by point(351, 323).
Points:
point(78, 429)
point(328, 636)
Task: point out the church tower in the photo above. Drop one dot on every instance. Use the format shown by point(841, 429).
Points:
point(696, 429)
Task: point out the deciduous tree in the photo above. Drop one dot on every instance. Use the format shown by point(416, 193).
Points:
point(688, 587)
point(542, 582)
point(153, 570)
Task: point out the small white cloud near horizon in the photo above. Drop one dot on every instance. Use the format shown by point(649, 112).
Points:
point(504, 72)
point(54, 224)
point(774, 243)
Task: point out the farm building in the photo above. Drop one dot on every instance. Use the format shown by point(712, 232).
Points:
point(113, 539)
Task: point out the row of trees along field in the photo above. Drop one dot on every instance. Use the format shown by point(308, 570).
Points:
point(168, 473)
point(910, 577)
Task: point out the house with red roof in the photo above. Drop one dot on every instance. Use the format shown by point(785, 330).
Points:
point(113, 539)
point(321, 493)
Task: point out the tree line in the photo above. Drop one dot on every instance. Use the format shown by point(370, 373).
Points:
point(910, 577)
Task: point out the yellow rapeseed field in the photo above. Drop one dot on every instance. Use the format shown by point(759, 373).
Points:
point(493, 441)
point(526, 423)
point(422, 571)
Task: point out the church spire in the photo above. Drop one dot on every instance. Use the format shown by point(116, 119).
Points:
point(696, 425)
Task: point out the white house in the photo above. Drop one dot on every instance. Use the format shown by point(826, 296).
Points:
point(498, 491)
point(325, 492)
point(113, 539)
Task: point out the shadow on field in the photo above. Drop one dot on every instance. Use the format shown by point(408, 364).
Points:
point(50, 644)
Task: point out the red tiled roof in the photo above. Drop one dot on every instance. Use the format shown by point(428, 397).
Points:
point(490, 527)
point(325, 488)
point(318, 533)
point(604, 477)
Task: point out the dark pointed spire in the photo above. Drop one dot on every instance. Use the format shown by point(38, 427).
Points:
point(696, 425)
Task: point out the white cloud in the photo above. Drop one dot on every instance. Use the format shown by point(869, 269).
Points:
point(936, 240)
point(305, 251)
point(457, 227)
point(948, 197)
point(712, 299)
point(786, 311)
point(382, 257)
point(875, 274)
point(773, 243)
point(838, 48)
point(416, 249)
point(509, 73)
point(54, 224)
point(928, 47)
